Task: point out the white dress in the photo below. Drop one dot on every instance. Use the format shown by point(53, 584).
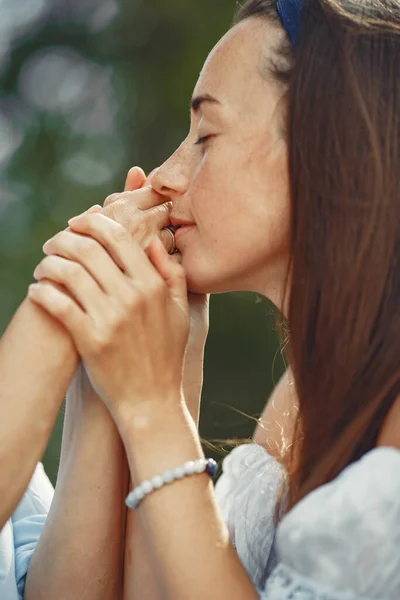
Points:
point(341, 542)
point(21, 533)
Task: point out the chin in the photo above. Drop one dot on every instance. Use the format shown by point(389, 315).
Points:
point(208, 277)
point(207, 283)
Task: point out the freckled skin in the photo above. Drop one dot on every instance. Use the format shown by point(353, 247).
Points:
point(235, 186)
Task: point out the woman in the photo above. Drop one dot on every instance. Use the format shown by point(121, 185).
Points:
point(311, 220)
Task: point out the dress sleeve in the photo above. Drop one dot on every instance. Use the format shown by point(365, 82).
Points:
point(345, 535)
point(246, 493)
point(28, 521)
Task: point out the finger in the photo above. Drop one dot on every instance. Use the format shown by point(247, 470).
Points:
point(92, 209)
point(160, 220)
point(61, 307)
point(142, 199)
point(135, 179)
point(118, 242)
point(176, 258)
point(173, 274)
point(111, 198)
point(90, 254)
point(160, 215)
point(76, 280)
point(149, 176)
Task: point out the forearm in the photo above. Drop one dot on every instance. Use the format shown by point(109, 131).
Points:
point(80, 552)
point(140, 579)
point(188, 541)
point(37, 361)
point(193, 379)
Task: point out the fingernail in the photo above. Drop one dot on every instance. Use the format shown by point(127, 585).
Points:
point(74, 219)
point(33, 288)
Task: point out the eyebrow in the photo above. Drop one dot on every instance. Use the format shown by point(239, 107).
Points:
point(199, 100)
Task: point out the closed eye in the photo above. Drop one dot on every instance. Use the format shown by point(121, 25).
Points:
point(202, 140)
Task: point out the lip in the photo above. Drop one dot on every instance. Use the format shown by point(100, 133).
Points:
point(182, 231)
point(180, 222)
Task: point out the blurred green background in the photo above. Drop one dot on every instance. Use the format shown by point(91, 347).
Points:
point(88, 89)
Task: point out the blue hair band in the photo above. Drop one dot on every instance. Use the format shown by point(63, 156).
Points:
point(291, 12)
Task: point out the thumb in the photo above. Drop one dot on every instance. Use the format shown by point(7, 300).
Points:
point(172, 273)
point(135, 179)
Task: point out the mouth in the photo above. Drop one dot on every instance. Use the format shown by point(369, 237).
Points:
point(179, 223)
point(181, 231)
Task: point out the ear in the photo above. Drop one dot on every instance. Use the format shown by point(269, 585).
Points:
point(135, 179)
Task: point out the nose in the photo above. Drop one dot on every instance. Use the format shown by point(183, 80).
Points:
point(172, 178)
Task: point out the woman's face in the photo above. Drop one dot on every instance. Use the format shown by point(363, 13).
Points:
point(230, 177)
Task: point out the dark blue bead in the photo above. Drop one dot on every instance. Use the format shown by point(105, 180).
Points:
point(211, 467)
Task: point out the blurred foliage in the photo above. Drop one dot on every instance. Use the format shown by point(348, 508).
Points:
point(89, 88)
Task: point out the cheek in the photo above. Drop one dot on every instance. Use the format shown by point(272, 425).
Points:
point(242, 208)
point(241, 200)
point(239, 251)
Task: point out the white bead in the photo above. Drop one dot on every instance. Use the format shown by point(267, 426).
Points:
point(146, 487)
point(130, 499)
point(157, 481)
point(199, 466)
point(168, 476)
point(179, 472)
point(189, 467)
point(139, 494)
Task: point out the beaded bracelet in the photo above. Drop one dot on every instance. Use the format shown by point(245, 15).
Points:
point(191, 467)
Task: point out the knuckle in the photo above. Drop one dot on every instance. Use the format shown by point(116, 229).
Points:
point(87, 246)
point(124, 212)
point(135, 301)
point(66, 270)
point(45, 263)
point(72, 269)
point(119, 234)
point(110, 199)
point(63, 308)
point(51, 264)
point(139, 223)
point(101, 340)
point(142, 227)
point(156, 289)
point(62, 237)
point(138, 301)
point(57, 239)
point(130, 299)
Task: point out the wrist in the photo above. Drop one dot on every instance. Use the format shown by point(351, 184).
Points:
point(136, 420)
point(197, 340)
point(159, 437)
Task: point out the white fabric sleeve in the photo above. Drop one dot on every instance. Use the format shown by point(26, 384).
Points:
point(246, 493)
point(345, 535)
point(28, 521)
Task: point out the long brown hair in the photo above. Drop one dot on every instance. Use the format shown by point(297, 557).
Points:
point(343, 127)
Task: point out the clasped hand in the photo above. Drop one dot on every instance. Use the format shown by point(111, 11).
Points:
point(122, 298)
